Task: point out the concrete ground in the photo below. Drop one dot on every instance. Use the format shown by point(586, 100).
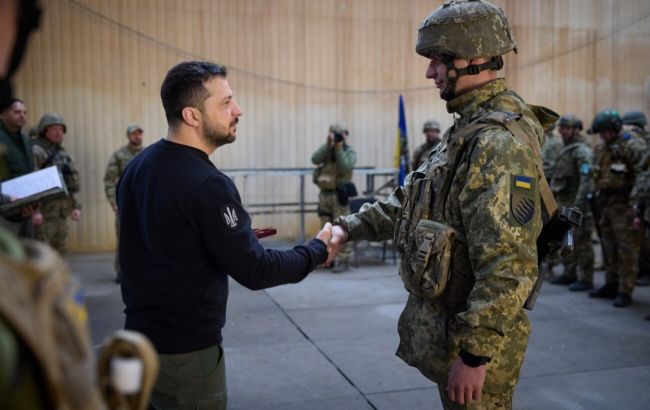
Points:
point(329, 343)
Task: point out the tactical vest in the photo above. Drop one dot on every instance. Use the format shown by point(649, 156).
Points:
point(566, 176)
point(615, 176)
point(41, 303)
point(435, 259)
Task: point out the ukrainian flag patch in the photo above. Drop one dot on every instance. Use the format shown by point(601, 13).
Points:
point(523, 182)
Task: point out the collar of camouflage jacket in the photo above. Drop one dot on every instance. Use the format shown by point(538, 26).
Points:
point(469, 102)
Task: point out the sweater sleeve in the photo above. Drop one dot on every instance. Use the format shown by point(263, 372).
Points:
point(225, 229)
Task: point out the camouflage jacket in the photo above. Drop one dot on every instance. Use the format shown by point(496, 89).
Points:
point(639, 133)
point(641, 196)
point(572, 174)
point(616, 167)
point(334, 165)
point(116, 165)
point(422, 152)
point(47, 154)
point(550, 151)
point(494, 263)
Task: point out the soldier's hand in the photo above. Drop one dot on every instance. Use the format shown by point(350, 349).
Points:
point(325, 234)
point(37, 218)
point(637, 223)
point(465, 383)
point(75, 214)
point(339, 237)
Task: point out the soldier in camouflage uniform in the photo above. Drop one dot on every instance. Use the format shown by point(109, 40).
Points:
point(550, 151)
point(634, 122)
point(616, 161)
point(572, 181)
point(467, 221)
point(641, 198)
point(334, 162)
point(48, 151)
point(116, 165)
point(431, 130)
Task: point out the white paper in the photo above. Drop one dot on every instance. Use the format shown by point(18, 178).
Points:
point(33, 183)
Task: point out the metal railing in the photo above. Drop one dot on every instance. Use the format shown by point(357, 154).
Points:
point(303, 207)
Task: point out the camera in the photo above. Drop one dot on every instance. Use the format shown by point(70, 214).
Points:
point(338, 137)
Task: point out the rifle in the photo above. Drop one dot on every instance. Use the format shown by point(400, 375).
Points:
point(556, 235)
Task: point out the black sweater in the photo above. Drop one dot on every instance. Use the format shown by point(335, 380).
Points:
point(183, 230)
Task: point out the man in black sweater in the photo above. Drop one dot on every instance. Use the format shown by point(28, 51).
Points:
point(184, 231)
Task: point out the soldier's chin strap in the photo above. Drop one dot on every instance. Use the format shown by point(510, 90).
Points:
point(453, 73)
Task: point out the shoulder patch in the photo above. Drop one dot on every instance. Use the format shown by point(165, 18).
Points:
point(229, 216)
point(585, 168)
point(522, 198)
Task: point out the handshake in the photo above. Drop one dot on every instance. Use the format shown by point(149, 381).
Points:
point(334, 237)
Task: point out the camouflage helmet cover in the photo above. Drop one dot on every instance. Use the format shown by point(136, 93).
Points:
point(606, 120)
point(466, 29)
point(431, 125)
point(635, 118)
point(132, 128)
point(339, 128)
point(50, 119)
point(570, 120)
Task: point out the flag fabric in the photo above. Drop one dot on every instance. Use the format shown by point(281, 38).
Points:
point(401, 157)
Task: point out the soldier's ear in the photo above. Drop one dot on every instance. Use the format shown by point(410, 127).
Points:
point(191, 116)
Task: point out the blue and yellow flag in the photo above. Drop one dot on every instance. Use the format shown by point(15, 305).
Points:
point(401, 145)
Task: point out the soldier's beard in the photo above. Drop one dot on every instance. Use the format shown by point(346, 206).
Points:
point(215, 138)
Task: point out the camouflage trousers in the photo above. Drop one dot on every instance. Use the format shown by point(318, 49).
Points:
point(54, 231)
point(580, 264)
point(328, 210)
point(644, 255)
point(621, 243)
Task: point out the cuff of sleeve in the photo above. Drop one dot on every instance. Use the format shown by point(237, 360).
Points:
point(472, 360)
point(352, 225)
point(320, 252)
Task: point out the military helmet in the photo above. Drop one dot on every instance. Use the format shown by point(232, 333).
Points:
point(132, 128)
point(466, 29)
point(606, 120)
point(50, 119)
point(431, 125)
point(570, 120)
point(635, 118)
point(339, 128)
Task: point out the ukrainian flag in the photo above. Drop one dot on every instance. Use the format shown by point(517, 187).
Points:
point(523, 182)
point(401, 157)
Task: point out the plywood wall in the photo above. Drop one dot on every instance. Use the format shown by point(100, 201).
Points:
point(298, 65)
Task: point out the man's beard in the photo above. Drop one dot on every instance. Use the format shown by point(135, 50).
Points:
point(216, 139)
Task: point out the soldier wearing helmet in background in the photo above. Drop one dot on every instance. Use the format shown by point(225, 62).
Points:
point(615, 173)
point(467, 221)
point(431, 131)
point(334, 162)
point(634, 123)
point(571, 183)
point(116, 165)
point(49, 151)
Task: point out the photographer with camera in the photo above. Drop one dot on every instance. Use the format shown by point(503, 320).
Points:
point(334, 162)
point(48, 150)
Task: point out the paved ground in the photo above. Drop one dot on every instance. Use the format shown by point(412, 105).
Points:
point(329, 343)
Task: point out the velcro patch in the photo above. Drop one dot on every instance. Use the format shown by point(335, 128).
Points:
point(522, 198)
point(229, 216)
point(585, 168)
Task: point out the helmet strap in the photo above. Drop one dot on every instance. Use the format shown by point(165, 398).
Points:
point(453, 73)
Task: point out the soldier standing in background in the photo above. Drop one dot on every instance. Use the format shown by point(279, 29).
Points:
point(48, 151)
point(550, 151)
point(431, 131)
point(616, 161)
point(476, 202)
point(334, 162)
point(635, 122)
point(572, 181)
point(116, 165)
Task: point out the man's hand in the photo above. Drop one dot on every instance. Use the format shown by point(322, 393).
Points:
point(114, 207)
point(75, 214)
point(37, 218)
point(325, 234)
point(637, 223)
point(465, 382)
point(339, 237)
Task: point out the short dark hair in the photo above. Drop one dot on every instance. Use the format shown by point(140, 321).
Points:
point(183, 87)
point(6, 104)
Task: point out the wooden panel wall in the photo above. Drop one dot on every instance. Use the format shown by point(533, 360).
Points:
point(298, 65)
